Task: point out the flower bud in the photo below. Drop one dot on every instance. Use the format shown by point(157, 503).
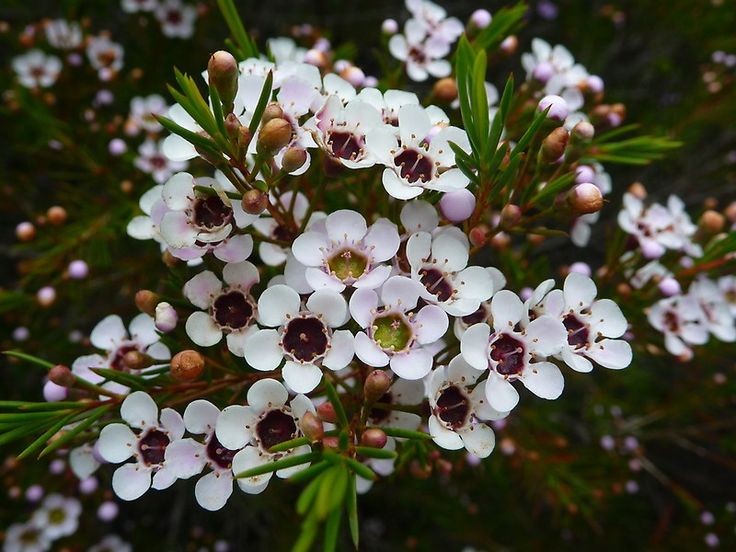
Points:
point(62, 375)
point(583, 131)
point(232, 127)
point(553, 146)
point(56, 215)
point(222, 73)
point(331, 442)
point(165, 317)
point(244, 139)
point(326, 412)
point(712, 221)
point(731, 212)
point(543, 71)
point(146, 301)
point(584, 173)
point(581, 268)
point(312, 426)
point(478, 235)
point(77, 270)
point(585, 198)
point(274, 135)
point(509, 45)
point(419, 471)
point(389, 26)
point(53, 392)
point(46, 296)
point(254, 202)
point(376, 385)
point(354, 75)
point(187, 365)
point(136, 360)
point(669, 286)
point(458, 205)
point(500, 241)
point(293, 159)
point(638, 190)
point(558, 109)
point(445, 90)
point(315, 57)
point(481, 18)
point(510, 215)
point(272, 111)
point(25, 231)
point(374, 437)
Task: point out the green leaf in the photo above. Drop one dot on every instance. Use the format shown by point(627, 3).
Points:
point(505, 22)
point(405, 433)
point(551, 189)
point(332, 395)
point(263, 100)
point(309, 473)
point(719, 248)
point(480, 100)
point(21, 431)
point(361, 469)
point(371, 452)
point(91, 417)
point(123, 378)
point(43, 438)
point(307, 496)
point(197, 140)
point(245, 46)
point(30, 358)
point(331, 490)
point(352, 506)
point(288, 445)
point(531, 131)
point(279, 464)
point(332, 530)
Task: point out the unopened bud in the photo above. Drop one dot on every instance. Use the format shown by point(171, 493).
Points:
point(56, 215)
point(553, 146)
point(509, 45)
point(445, 90)
point(232, 127)
point(458, 205)
point(275, 134)
point(585, 198)
point(584, 131)
point(244, 139)
point(46, 296)
point(420, 471)
point(146, 301)
point(254, 202)
point(374, 437)
point(638, 190)
point(293, 159)
point(222, 73)
point(165, 317)
point(478, 235)
point(376, 385)
point(669, 286)
point(187, 365)
point(312, 426)
point(731, 212)
point(25, 231)
point(326, 412)
point(510, 215)
point(623, 289)
point(136, 360)
point(500, 241)
point(272, 111)
point(557, 105)
point(712, 221)
point(480, 18)
point(62, 375)
point(331, 442)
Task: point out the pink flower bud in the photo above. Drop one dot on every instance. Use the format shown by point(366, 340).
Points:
point(457, 206)
point(46, 296)
point(57, 466)
point(543, 72)
point(34, 493)
point(595, 84)
point(53, 392)
point(21, 333)
point(117, 147)
point(88, 485)
point(584, 173)
point(78, 269)
point(558, 109)
point(525, 293)
point(165, 317)
point(389, 26)
point(354, 75)
point(107, 511)
point(669, 286)
point(481, 18)
point(25, 231)
point(581, 268)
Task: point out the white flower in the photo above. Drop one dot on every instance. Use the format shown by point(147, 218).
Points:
point(555, 68)
point(63, 34)
point(266, 422)
point(343, 251)
point(715, 307)
point(388, 103)
point(58, 516)
point(305, 337)
point(83, 461)
point(105, 56)
point(25, 537)
point(146, 226)
point(415, 216)
point(421, 157)
point(111, 543)
point(459, 409)
point(422, 53)
point(118, 442)
point(483, 312)
point(592, 325)
point(110, 336)
point(274, 254)
point(132, 6)
point(284, 49)
point(511, 353)
point(727, 285)
point(439, 263)
point(177, 19)
point(142, 111)
point(151, 160)
point(201, 221)
point(681, 320)
point(188, 457)
point(392, 334)
point(230, 309)
point(36, 69)
point(403, 392)
point(434, 19)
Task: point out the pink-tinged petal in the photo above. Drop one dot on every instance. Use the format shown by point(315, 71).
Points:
point(430, 324)
point(506, 309)
point(382, 240)
point(309, 248)
point(242, 275)
point(576, 361)
point(330, 306)
point(554, 303)
point(143, 330)
point(419, 216)
point(345, 226)
point(294, 274)
point(546, 335)
point(262, 350)
point(202, 289)
point(319, 279)
point(278, 304)
point(131, 481)
point(213, 490)
point(544, 379)
point(301, 378)
point(474, 345)
point(418, 249)
point(412, 365)
point(474, 282)
point(108, 333)
point(178, 191)
point(176, 230)
point(367, 351)
point(611, 353)
point(341, 350)
point(439, 68)
point(501, 394)
point(116, 443)
point(401, 291)
point(579, 290)
point(141, 228)
point(607, 319)
point(139, 410)
point(375, 278)
point(479, 439)
point(363, 305)
point(396, 187)
point(185, 458)
point(250, 457)
point(172, 422)
point(267, 393)
point(202, 329)
point(200, 416)
point(231, 429)
point(177, 148)
point(448, 440)
point(235, 249)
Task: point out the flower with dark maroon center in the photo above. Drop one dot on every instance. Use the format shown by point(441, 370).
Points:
point(210, 213)
point(508, 354)
point(275, 427)
point(578, 332)
point(345, 145)
point(414, 165)
point(436, 283)
point(218, 454)
point(233, 310)
point(453, 407)
point(152, 446)
point(306, 338)
point(117, 358)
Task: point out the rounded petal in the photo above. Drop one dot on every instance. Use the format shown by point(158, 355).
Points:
point(116, 443)
point(213, 490)
point(576, 361)
point(309, 248)
point(246, 459)
point(231, 427)
point(262, 350)
point(401, 291)
point(83, 462)
point(607, 319)
point(448, 440)
point(341, 350)
point(202, 329)
point(176, 230)
point(507, 310)
point(544, 379)
point(172, 422)
point(267, 393)
point(301, 378)
point(202, 289)
point(479, 439)
point(363, 305)
point(579, 290)
point(367, 351)
point(375, 278)
point(396, 187)
point(430, 324)
point(277, 304)
point(139, 410)
point(108, 333)
point(143, 330)
point(235, 249)
point(501, 394)
point(200, 416)
point(345, 226)
point(546, 335)
point(412, 365)
point(242, 275)
point(418, 249)
point(185, 458)
point(131, 481)
point(611, 353)
point(382, 240)
point(178, 190)
point(450, 251)
point(419, 216)
point(474, 345)
point(330, 306)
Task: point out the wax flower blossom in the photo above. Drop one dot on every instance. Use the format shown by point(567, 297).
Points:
point(105, 56)
point(142, 116)
point(58, 516)
point(176, 19)
point(681, 321)
point(36, 69)
point(152, 160)
point(147, 445)
point(63, 34)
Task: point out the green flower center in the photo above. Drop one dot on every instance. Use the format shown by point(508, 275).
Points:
point(57, 516)
point(392, 332)
point(348, 264)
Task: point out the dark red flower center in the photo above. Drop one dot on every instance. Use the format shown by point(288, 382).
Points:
point(477, 317)
point(152, 446)
point(305, 338)
point(453, 407)
point(345, 145)
point(508, 353)
point(577, 331)
point(211, 213)
point(220, 455)
point(436, 283)
point(414, 165)
point(274, 428)
point(233, 310)
point(118, 359)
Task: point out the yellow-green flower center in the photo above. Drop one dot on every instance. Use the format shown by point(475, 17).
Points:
point(348, 264)
point(392, 332)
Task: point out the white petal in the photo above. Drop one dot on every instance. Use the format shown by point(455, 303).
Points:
point(141, 228)
point(341, 350)
point(262, 350)
point(246, 459)
point(172, 422)
point(317, 278)
point(382, 240)
point(176, 230)
point(345, 226)
point(309, 248)
point(448, 440)
point(116, 443)
point(235, 249)
point(506, 309)
point(301, 378)
point(501, 394)
point(448, 249)
point(330, 305)
point(544, 379)
point(143, 330)
point(418, 249)
point(414, 124)
point(83, 462)
point(202, 329)
point(375, 278)
point(277, 304)
point(213, 490)
point(267, 393)
point(108, 333)
point(579, 290)
point(200, 416)
point(363, 304)
point(479, 439)
point(576, 361)
point(401, 291)
point(474, 345)
point(611, 353)
point(461, 372)
point(230, 429)
point(546, 335)
point(430, 324)
point(606, 317)
point(243, 275)
point(131, 481)
point(396, 187)
point(367, 351)
point(178, 191)
point(419, 216)
point(412, 365)
point(139, 410)
point(177, 148)
point(163, 478)
point(185, 458)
